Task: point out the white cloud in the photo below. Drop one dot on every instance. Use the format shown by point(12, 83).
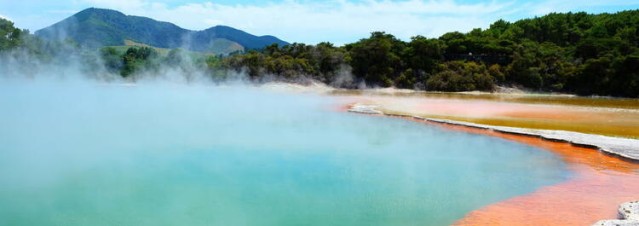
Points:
point(549, 6)
point(118, 4)
point(339, 21)
point(62, 11)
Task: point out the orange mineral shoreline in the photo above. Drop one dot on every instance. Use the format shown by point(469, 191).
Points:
point(599, 116)
point(600, 183)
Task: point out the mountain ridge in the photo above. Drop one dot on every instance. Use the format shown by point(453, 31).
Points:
point(96, 27)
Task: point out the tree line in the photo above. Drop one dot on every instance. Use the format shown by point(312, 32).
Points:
point(586, 54)
point(561, 52)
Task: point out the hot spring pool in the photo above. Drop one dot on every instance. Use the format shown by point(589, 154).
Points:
point(158, 154)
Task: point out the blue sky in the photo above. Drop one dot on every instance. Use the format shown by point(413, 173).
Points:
point(337, 21)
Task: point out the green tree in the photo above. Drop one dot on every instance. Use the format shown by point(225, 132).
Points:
point(424, 54)
point(112, 59)
point(458, 76)
point(138, 58)
point(10, 36)
point(377, 60)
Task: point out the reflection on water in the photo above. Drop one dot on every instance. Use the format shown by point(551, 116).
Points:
point(87, 154)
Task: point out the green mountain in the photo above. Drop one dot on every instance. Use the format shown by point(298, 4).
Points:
point(94, 28)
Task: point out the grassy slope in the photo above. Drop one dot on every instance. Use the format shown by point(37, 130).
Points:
point(163, 52)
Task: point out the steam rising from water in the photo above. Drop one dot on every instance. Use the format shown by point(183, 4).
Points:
point(82, 146)
point(79, 152)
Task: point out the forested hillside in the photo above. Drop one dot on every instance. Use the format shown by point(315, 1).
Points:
point(96, 28)
point(577, 53)
point(560, 52)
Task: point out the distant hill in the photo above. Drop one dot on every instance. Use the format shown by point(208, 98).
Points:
point(95, 28)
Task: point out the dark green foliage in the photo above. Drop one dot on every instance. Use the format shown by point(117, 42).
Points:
point(176, 57)
point(497, 72)
point(214, 67)
point(564, 52)
point(294, 62)
point(21, 41)
point(424, 54)
point(10, 36)
point(377, 59)
point(252, 62)
point(524, 68)
point(406, 80)
point(138, 58)
point(608, 76)
point(448, 81)
point(102, 27)
point(97, 28)
point(329, 61)
point(458, 76)
point(626, 81)
point(111, 59)
point(560, 52)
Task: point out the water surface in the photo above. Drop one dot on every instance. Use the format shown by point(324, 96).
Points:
point(166, 154)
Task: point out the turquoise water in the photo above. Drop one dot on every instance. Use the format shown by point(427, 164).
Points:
point(162, 154)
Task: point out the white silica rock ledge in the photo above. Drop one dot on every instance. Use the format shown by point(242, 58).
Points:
point(630, 210)
point(365, 109)
point(623, 147)
point(629, 213)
